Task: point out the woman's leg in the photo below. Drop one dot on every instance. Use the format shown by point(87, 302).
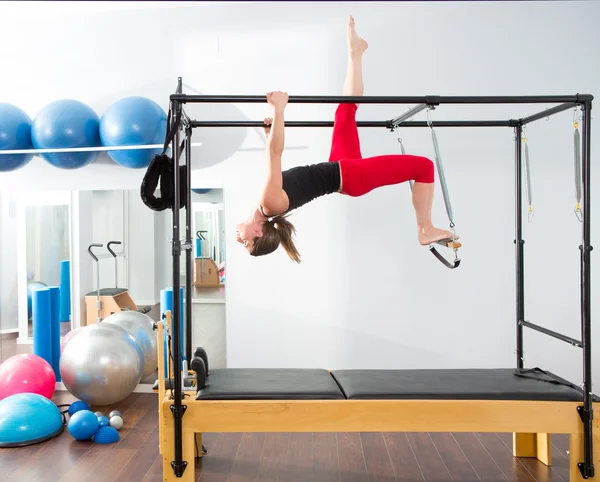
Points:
point(345, 142)
point(361, 176)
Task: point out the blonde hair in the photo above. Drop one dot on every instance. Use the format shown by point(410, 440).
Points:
point(278, 231)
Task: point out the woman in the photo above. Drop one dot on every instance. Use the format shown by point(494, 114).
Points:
point(346, 172)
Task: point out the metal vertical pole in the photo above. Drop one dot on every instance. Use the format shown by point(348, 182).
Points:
point(177, 409)
point(189, 272)
point(519, 267)
point(587, 467)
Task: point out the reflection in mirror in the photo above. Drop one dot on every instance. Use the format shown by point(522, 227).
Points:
point(35, 253)
point(136, 273)
point(110, 258)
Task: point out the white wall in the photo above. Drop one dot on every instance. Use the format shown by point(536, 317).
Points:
point(142, 248)
point(366, 295)
point(9, 304)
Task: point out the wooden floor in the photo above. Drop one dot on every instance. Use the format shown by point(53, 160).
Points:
point(339, 457)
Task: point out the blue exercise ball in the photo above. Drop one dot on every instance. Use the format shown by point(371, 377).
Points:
point(31, 287)
point(28, 418)
point(83, 425)
point(15, 133)
point(102, 420)
point(67, 124)
point(133, 121)
point(77, 406)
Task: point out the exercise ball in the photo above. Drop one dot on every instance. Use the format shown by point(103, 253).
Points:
point(83, 425)
point(28, 418)
point(15, 133)
point(67, 337)
point(66, 124)
point(26, 373)
point(133, 121)
point(31, 287)
point(141, 327)
point(76, 406)
point(102, 364)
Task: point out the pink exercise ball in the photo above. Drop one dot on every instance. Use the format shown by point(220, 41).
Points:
point(67, 337)
point(26, 374)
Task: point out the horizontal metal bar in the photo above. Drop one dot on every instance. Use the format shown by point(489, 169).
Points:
point(366, 99)
point(551, 333)
point(386, 124)
point(549, 112)
point(408, 114)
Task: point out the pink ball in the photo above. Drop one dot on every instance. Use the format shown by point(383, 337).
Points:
point(26, 374)
point(67, 337)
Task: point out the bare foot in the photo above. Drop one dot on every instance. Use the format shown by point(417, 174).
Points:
point(356, 45)
point(432, 235)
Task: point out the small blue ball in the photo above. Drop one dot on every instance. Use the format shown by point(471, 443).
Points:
point(83, 425)
point(77, 406)
point(102, 421)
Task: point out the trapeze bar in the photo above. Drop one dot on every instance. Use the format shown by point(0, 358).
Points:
point(427, 99)
point(551, 333)
point(549, 112)
point(86, 149)
point(408, 114)
point(387, 124)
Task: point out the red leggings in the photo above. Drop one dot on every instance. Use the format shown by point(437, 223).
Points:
point(359, 176)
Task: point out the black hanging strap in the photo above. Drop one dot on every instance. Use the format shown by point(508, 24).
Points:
point(161, 169)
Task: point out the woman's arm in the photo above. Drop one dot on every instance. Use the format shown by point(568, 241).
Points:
point(274, 199)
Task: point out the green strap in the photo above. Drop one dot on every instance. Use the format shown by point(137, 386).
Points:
point(577, 159)
point(528, 177)
point(403, 151)
point(440, 168)
point(454, 264)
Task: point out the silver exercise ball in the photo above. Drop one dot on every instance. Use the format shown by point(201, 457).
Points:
point(102, 364)
point(141, 326)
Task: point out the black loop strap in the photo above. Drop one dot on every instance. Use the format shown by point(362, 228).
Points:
point(161, 169)
point(444, 260)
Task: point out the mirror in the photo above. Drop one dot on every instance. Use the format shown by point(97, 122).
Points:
point(120, 255)
point(35, 253)
point(139, 269)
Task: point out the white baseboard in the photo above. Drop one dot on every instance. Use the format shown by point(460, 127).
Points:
point(25, 341)
point(8, 331)
point(146, 302)
point(141, 388)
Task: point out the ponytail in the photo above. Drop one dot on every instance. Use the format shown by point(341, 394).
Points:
point(276, 232)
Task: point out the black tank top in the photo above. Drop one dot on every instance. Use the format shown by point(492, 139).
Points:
point(303, 184)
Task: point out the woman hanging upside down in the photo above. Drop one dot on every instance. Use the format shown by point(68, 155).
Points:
point(347, 172)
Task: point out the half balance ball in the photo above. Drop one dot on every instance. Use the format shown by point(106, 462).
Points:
point(28, 418)
point(133, 121)
point(102, 364)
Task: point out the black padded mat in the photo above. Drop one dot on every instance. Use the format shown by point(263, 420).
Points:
point(452, 384)
point(269, 384)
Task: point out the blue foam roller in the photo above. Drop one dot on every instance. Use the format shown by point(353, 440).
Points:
point(42, 324)
point(198, 248)
point(65, 290)
point(55, 329)
point(166, 304)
